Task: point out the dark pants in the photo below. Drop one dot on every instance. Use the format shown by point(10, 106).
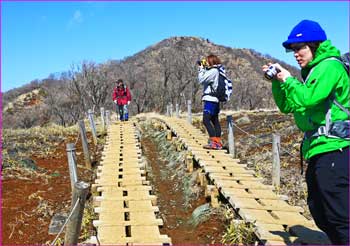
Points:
point(123, 112)
point(327, 178)
point(211, 122)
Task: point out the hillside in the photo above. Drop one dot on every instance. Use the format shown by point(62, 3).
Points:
point(36, 179)
point(158, 75)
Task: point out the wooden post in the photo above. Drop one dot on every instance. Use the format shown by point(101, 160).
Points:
point(92, 125)
point(213, 192)
point(84, 143)
point(202, 179)
point(189, 162)
point(72, 164)
point(78, 203)
point(108, 118)
point(169, 135)
point(189, 111)
point(177, 111)
point(276, 172)
point(167, 110)
point(171, 110)
point(103, 119)
point(230, 136)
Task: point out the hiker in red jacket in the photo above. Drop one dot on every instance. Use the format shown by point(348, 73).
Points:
point(122, 98)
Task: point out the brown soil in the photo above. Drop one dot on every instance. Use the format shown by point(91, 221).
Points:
point(28, 203)
point(174, 210)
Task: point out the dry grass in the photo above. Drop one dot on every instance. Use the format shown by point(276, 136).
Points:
point(20, 145)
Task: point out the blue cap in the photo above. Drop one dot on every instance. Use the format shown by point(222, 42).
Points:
point(305, 31)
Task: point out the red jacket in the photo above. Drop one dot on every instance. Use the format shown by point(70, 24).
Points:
point(122, 95)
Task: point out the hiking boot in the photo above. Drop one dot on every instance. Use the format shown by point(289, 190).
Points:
point(213, 145)
point(218, 142)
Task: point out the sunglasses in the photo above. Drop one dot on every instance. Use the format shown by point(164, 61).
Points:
point(296, 47)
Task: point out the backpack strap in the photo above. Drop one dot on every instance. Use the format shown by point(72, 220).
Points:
point(338, 129)
point(212, 90)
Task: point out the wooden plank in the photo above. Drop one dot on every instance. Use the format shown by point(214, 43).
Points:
point(234, 177)
point(119, 155)
point(123, 183)
point(137, 179)
point(143, 235)
point(310, 235)
point(132, 163)
point(232, 170)
point(112, 171)
point(214, 162)
point(131, 188)
point(118, 149)
point(272, 233)
point(125, 159)
point(125, 195)
point(248, 193)
point(263, 216)
point(279, 205)
point(263, 204)
point(134, 218)
point(222, 184)
point(108, 208)
point(122, 176)
point(134, 205)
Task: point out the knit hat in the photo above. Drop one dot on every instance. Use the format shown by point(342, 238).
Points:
point(305, 31)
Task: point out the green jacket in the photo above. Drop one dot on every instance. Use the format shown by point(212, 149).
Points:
point(308, 101)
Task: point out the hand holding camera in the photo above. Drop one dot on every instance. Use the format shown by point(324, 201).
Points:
point(202, 63)
point(275, 71)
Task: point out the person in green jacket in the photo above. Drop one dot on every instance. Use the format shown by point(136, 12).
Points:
point(320, 104)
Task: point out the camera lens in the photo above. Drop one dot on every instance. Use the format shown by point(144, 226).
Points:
point(270, 72)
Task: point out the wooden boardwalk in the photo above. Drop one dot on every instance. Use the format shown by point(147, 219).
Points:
point(277, 222)
point(126, 209)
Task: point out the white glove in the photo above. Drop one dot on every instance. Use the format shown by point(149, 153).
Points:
point(128, 102)
point(115, 101)
point(283, 74)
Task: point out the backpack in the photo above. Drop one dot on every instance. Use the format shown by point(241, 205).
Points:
point(124, 92)
point(224, 90)
point(338, 129)
point(345, 60)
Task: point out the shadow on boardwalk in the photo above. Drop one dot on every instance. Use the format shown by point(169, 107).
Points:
point(314, 237)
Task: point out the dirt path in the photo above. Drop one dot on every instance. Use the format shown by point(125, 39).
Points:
point(175, 209)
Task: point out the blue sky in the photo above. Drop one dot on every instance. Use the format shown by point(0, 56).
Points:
point(41, 38)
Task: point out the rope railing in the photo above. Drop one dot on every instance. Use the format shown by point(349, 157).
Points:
point(79, 188)
point(77, 139)
point(65, 223)
point(255, 137)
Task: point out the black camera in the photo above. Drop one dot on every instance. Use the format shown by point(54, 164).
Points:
point(202, 62)
point(271, 72)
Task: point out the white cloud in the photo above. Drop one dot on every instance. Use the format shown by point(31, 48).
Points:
point(76, 19)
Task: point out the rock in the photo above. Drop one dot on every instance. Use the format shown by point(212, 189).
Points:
point(56, 223)
point(28, 163)
point(243, 120)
